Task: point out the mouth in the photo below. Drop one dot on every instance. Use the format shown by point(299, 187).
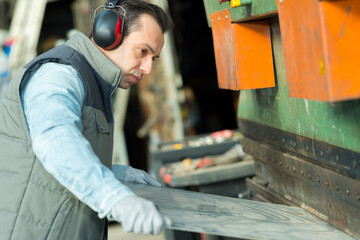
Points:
point(136, 78)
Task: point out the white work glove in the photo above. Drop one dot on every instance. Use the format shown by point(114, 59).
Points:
point(139, 215)
point(140, 176)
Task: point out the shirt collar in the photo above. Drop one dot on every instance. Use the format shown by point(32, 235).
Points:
point(97, 60)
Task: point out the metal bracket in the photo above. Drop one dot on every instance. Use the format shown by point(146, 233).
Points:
point(111, 4)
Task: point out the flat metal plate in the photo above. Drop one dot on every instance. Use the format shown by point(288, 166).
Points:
point(326, 193)
point(232, 217)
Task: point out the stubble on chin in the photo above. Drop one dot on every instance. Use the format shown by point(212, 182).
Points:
point(124, 82)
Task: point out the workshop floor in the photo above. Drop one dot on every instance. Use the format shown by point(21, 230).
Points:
point(116, 233)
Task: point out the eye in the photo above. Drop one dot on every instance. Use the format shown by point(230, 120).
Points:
point(143, 52)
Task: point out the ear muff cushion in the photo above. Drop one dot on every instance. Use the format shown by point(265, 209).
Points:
point(107, 29)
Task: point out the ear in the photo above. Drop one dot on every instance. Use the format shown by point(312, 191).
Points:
point(108, 29)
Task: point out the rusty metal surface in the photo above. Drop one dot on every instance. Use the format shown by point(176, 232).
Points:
point(262, 193)
point(338, 159)
point(331, 196)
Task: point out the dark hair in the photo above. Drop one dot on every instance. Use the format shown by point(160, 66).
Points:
point(135, 8)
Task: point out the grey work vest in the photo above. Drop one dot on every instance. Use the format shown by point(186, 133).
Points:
point(33, 204)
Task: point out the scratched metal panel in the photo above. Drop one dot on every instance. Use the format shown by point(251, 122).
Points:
point(321, 49)
point(328, 194)
point(223, 39)
point(232, 217)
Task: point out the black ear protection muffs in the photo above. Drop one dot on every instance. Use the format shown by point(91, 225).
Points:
point(108, 26)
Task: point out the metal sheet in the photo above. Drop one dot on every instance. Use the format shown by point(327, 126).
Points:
point(205, 213)
point(328, 194)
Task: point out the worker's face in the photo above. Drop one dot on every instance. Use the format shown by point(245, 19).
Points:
point(137, 52)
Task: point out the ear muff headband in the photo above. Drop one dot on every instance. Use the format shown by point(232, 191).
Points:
point(108, 28)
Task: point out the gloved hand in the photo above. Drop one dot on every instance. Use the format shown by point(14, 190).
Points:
point(140, 176)
point(139, 215)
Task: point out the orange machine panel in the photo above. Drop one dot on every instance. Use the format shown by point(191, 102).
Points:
point(243, 53)
point(321, 48)
point(224, 51)
point(253, 55)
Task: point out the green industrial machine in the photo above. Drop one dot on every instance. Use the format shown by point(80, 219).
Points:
point(307, 149)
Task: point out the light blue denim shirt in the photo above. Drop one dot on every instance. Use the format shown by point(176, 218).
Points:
point(52, 101)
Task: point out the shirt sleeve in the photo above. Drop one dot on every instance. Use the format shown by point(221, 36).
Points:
point(52, 102)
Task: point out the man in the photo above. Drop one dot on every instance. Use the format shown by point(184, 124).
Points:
point(56, 136)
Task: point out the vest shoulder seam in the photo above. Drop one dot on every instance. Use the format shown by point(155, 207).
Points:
point(7, 98)
point(12, 174)
point(22, 198)
point(7, 212)
point(33, 181)
point(28, 219)
point(13, 139)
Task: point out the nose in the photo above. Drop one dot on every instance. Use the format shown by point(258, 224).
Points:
point(146, 65)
